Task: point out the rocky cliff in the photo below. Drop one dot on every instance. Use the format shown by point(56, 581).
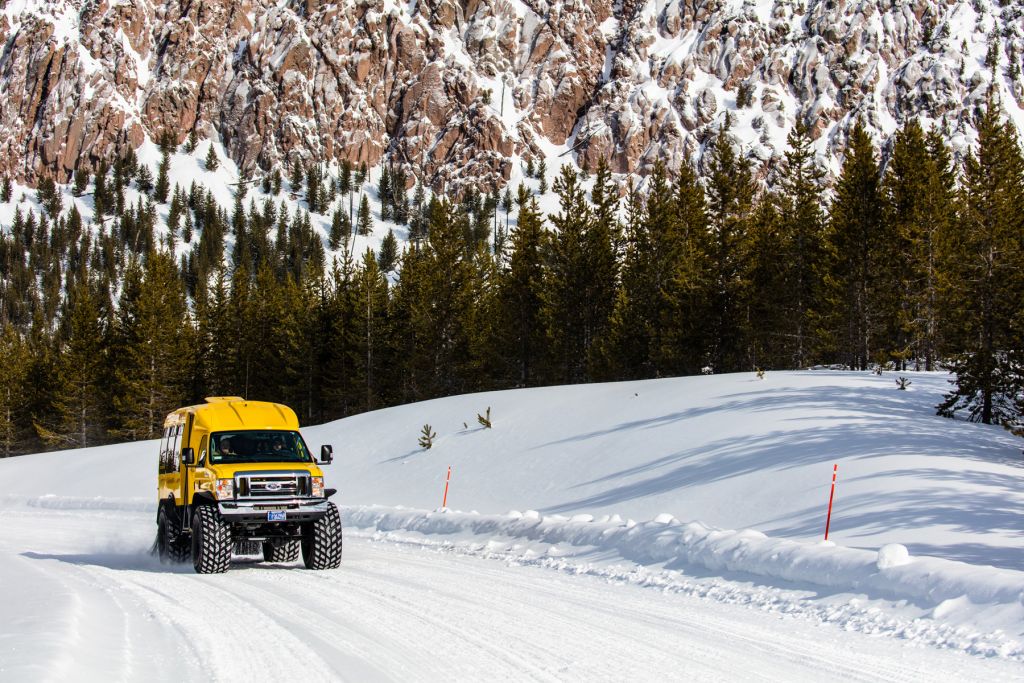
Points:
point(461, 89)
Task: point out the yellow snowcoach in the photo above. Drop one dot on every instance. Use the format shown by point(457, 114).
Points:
point(236, 476)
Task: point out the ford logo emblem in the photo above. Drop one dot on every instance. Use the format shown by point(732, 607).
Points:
point(273, 486)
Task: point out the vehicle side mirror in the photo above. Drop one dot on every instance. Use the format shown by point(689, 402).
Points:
point(326, 454)
point(188, 456)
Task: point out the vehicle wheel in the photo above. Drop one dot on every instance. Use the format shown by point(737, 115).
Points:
point(283, 552)
point(172, 547)
point(321, 542)
point(211, 541)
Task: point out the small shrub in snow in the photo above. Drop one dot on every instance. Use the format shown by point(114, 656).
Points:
point(902, 383)
point(427, 437)
point(485, 419)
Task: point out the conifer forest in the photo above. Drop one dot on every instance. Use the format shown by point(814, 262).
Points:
point(910, 260)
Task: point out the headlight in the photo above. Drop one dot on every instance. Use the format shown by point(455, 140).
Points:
point(225, 489)
point(318, 487)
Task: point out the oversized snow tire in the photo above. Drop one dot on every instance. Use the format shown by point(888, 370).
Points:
point(171, 546)
point(284, 552)
point(211, 541)
point(321, 542)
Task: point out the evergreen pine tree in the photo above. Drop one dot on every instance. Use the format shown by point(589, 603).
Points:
point(399, 196)
point(216, 341)
point(794, 295)
point(212, 162)
point(602, 254)
point(384, 194)
point(15, 358)
point(904, 191)
point(336, 318)
point(297, 176)
point(938, 221)
point(567, 282)
point(371, 303)
point(345, 177)
point(81, 182)
point(49, 197)
point(685, 342)
point(338, 230)
point(445, 329)
point(144, 179)
point(983, 279)
point(388, 256)
point(191, 142)
point(637, 340)
point(365, 223)
point(163, 181)
point(730, 193)
point(117, 183)
point(101, 198)
point(188, 231)
point(854, 251)
point(417, 221)
point(5, 190)
point(314, 188)
point(78, 417)
point(520, 302)
point(74, 225)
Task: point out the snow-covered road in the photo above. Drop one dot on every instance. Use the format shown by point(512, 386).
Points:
point(82, 600)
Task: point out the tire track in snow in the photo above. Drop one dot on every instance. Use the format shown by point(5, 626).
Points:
point(229, 637)
point(772, 640)
point(404, 624)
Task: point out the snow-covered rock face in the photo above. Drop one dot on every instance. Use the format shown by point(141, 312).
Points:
point(457, 89)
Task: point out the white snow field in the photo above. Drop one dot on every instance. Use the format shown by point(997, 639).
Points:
point(659, 530)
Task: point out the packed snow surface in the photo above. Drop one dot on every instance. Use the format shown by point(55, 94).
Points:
point(636, 530)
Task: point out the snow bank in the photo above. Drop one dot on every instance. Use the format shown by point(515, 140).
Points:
point(54, 502)
point(890, 573)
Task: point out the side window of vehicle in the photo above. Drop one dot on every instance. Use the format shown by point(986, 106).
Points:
point(202, 449)
point(175, 451)
point(163, 451)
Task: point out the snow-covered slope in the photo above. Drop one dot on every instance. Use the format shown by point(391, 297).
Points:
point(626, 483)
point(731, 451)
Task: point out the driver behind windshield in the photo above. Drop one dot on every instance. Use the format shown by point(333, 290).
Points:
point(255, 445)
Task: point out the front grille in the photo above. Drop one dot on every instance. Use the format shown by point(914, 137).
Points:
point(277, 485)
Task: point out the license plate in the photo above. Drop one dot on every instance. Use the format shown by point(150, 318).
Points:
point(277, 516)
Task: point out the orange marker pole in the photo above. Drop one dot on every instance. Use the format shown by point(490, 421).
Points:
point(828, 520)
point(444, 503)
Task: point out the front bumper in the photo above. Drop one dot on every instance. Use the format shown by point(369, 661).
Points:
point(255, 511)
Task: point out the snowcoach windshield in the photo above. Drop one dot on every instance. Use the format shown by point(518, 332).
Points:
point(253, 445)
